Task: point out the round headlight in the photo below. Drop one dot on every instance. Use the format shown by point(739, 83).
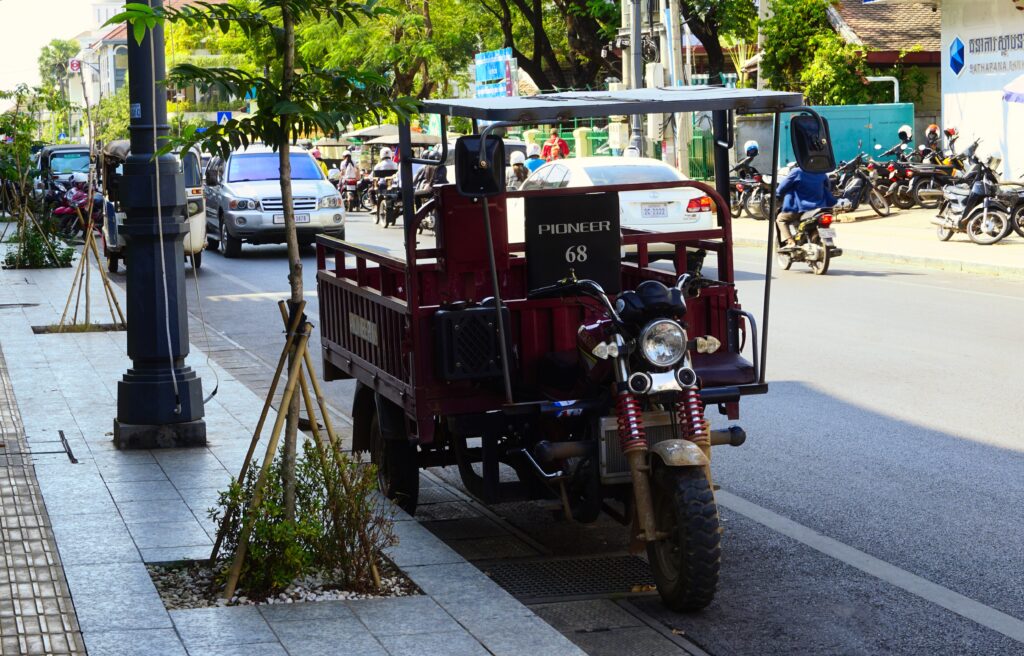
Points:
point(663, 342)
point(192, 207)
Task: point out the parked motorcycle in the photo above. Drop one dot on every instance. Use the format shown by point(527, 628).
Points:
point(73, 211)
point(815, 242)
point(854, 187)
point(975, 209)
point(743, 184)
point(1013, 196)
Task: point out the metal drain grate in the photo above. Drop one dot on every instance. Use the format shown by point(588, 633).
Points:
point(536, 580)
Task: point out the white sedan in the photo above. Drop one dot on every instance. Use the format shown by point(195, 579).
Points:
point(659, 210)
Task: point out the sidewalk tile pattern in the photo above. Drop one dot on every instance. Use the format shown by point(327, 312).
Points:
point(36, 613)
point(114, 511)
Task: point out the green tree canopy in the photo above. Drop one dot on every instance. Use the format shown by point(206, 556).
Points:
point(53, 62)
point(803, 53)
point(713, 21)
point(110, 116)
point(789, 40)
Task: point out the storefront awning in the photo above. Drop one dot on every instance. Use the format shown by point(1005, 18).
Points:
point(1014, 91)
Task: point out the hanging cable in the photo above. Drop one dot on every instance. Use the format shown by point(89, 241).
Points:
point(160, 234)
point(206, 334)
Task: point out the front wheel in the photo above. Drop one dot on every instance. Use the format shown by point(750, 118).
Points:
point(686, 562)
point(878, 203)
point(197, 260)
point(229, 246)
point(987, 228)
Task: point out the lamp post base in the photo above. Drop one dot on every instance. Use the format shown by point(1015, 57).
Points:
point(160, 436)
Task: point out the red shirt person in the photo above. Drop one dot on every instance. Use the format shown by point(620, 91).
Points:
point(555, 140)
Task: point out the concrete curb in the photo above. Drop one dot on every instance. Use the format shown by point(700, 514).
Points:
point(942, 264)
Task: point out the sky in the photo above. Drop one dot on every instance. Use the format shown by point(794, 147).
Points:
point(28, 25)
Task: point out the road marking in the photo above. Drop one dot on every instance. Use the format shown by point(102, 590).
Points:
point(273, 296)
point(989, 617)
point(244, 284)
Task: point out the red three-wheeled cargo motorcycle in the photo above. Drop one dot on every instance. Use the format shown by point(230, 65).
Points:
point(586, 372)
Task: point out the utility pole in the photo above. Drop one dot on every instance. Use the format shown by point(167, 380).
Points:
point(159, 399)
point(636, 139)
point(762, 15)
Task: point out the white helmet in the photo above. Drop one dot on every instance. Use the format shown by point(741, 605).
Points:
point(79, 178)
point(385, 153)
point(751, 148)
point(905, 133)
point(517, 158)
point(533, 150)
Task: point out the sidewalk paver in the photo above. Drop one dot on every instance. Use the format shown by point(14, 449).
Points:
point(36, 612)
point(113, 512)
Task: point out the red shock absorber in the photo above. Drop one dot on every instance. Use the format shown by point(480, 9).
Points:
point(692, 424)
point(631, 423)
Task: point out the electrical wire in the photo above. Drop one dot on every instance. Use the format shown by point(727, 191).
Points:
point(206, 334)
point(160, 231)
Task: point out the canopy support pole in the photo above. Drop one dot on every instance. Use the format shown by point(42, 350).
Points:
point(769, 257)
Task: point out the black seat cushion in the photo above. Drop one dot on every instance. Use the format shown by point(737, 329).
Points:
point(723, 369)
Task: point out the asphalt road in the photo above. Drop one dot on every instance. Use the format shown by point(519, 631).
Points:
point(877, 504)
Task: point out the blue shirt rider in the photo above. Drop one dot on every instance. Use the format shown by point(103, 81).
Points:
point(801, 192)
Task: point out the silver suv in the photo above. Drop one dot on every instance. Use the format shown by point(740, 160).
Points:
point(243, 200)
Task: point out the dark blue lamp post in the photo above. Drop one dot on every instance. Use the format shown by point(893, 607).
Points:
point(159, 398)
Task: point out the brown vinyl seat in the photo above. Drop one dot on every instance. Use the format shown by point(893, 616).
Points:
point(723, 369)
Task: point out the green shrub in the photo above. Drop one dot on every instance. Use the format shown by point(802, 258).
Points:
point(281, 550)
point(37, 249)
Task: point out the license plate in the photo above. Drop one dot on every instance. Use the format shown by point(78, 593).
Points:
point(827, 233)
point(654, 210)
point(299, 218)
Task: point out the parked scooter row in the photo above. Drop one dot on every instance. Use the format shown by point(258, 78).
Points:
point(981, 206)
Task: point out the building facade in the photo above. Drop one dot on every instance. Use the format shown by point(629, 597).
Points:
point(983, 52)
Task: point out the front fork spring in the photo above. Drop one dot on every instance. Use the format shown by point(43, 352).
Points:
point(632, 436)
point(692, 424)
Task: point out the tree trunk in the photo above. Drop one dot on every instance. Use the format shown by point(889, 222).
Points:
point(706, 32)
point(294, 258)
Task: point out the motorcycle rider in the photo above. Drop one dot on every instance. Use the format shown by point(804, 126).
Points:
point(801, 192)
point(533, 160)
point(348, 167)
point(519, 172)
point(320, 162)
point(387, 162)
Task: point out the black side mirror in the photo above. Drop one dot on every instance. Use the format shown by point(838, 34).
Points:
point(812, 144)
point(470, 178)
